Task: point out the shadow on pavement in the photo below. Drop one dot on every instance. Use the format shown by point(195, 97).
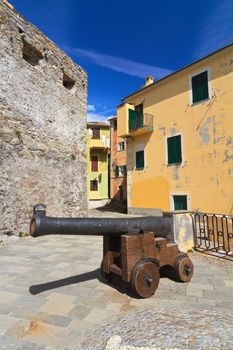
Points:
point(165, 272)
point(87, 276)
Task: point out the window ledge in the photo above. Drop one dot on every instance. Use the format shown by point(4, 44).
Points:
point(175, 164)
point(200, 102)
point(140, 169)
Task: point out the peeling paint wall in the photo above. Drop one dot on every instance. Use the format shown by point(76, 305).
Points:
point(206, 128)
point(183, 231)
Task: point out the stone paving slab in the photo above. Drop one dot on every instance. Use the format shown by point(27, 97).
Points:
point(52, 292)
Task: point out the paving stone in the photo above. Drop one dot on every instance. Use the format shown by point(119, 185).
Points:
point(228, 283)
point(199, 285)
point(7, 297)
point(215, 296)
point(6, 322)
point(72, 296)
point(5, 309)
point(57, 308)
point(226, 291)
point(206, 302)
point(116, 307)
point(56, 320)
point(194, 291)
point(38, 332)
point(98, 315)
point(60, 298)
point(8, 343)
point(81, 311)
point(72, 341)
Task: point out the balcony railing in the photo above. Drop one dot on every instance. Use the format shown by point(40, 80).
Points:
point(140, 121)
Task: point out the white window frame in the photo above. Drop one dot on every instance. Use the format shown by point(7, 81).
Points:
point(187, 194)
point(208, 69)
point(182, 149)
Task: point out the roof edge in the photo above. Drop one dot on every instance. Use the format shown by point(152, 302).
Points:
point(177, 71)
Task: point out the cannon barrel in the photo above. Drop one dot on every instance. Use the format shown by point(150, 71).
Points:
point(44, 225)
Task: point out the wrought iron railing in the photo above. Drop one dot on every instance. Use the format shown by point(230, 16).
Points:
point(213, 233)
point(139, 120)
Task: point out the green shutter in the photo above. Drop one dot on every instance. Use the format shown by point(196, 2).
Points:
point(117, 171)
point(180, 202)
point(132, 117)
point(136, 117)
point(140, 160)
point(139, 116)
point(200, 89)
point(174, 149)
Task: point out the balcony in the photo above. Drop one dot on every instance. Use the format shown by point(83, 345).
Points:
point(103, 142)
point(139, 123)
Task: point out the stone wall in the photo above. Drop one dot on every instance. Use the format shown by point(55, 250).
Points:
point(42, 125)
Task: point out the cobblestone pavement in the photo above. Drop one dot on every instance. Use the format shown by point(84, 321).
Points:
point(51, 294)
point(166, 328)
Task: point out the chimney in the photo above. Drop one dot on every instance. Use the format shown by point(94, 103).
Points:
point(149, 80)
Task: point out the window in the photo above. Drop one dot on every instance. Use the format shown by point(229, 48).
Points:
point(120, 170)
point(115, 123)
point(140, 160)
point(136, 117)
point(31, 54)
point(180, 202)
point(94, 163)
point(174, 154)
point(200, 90)
point(95, 133)
point(94, 185)
point(121, 146)
point(68, 83)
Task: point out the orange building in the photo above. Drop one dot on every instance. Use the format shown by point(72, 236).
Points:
point(118, 161)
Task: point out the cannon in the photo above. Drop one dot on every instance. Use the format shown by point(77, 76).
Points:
point(135, 249)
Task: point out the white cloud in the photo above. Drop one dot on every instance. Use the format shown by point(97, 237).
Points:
point(216, 30)
point(121, 65)
point(97, 117)
point(90, 108)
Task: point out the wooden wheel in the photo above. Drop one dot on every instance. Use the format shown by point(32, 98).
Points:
point(145, 279)
point(184, 269)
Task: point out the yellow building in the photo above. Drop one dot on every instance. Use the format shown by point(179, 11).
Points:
point(179, 133)
point(98, 147)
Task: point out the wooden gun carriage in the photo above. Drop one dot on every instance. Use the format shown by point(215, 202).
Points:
point(134, 249)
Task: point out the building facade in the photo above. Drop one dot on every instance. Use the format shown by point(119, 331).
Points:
point(180, 139)
point(118, 169)
point(43, 97)
point(98, 148)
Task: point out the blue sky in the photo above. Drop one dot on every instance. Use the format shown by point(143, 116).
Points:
point(120, 42)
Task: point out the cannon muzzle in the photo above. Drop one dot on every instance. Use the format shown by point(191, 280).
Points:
point(45, 225)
